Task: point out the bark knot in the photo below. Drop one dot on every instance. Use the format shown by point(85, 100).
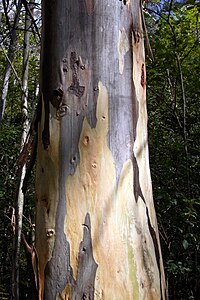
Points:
point(50, 232)
point(57, 97)
point(136, 36)
point(75, 87)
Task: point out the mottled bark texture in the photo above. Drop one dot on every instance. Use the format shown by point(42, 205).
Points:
point(96, 230)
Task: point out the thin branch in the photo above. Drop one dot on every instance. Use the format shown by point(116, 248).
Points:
point(166, 20)
point(6, 15)
point(172, 92)
point(28, 248)
point(28, 10)
point(32, 225)
point(189, 51)
point(149, 50)
point(170, 8)
point(12, 67)
point(4, 38)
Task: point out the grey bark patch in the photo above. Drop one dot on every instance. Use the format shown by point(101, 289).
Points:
point(45, 132)
point(84, 287)
point(136, 183)
point(156, 246)
point(76, 89)
point(58, 271)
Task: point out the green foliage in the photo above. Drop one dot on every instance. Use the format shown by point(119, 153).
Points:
point(175, 155)
point(10, 140)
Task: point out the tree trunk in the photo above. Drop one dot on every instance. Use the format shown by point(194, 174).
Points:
point(11, 52)
point(22, 171)
point(96, 229)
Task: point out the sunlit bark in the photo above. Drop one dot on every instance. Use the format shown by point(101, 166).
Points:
point(96, 229)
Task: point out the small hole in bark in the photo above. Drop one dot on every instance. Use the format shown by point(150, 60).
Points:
point(48, 210)
point(84, 249)
point(42, 170)
point(73, 160)
point(86, 140)
point(77, 113)
point(103, 117)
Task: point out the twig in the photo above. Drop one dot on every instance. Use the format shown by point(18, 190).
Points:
point(11, 66)
point(170, 7)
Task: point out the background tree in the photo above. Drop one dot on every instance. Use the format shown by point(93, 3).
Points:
point(12, 30)
point(22, 165)
point(10, 145)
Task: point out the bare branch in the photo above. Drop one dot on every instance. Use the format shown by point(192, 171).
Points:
point(170, 7)
point(12, 67)
point(5, 7)
point(28, 10)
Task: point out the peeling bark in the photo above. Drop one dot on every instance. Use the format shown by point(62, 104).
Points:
point(94, 171)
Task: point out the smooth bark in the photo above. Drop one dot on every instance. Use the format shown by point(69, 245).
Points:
point(96, 229)
point(22, 171)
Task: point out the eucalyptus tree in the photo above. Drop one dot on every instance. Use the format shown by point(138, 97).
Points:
point(96, 229)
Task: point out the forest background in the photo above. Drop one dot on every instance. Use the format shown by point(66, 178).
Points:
point(172, 59)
